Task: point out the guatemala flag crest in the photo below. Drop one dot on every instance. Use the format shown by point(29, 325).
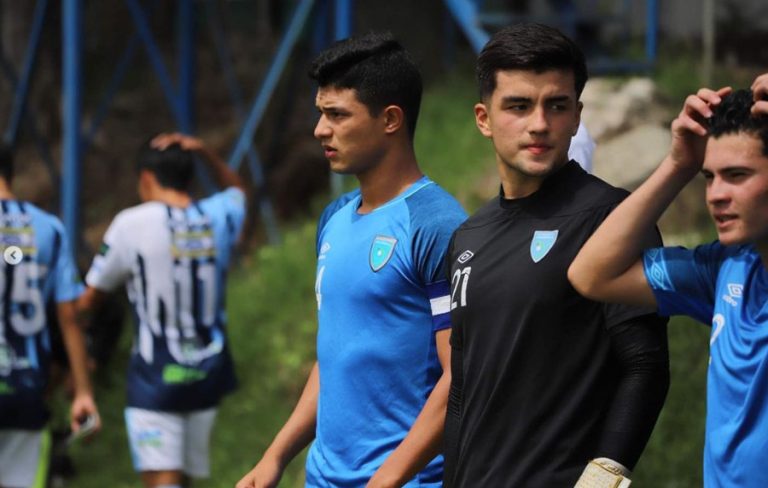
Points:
point(382, 249)
point(542, 242)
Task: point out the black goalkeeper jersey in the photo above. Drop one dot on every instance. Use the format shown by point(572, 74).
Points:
point(532, 366)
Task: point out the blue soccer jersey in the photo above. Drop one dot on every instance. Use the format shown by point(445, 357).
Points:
point(173, 262)
point(29, 292)
point(382, 294)
point(727, 287)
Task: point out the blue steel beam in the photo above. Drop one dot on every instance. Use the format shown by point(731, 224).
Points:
point(236, 95)
point(30, 59)
point(651, 30)
point(114, 84)
point(42, 147)
point(71, 17)
point(142, 26)
point(268, 86)
point(186, 46)
point(465, 14)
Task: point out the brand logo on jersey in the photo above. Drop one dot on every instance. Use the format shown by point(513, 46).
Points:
point(381, 251)
point(542, 243)
point(735, 291)
point(465, 256)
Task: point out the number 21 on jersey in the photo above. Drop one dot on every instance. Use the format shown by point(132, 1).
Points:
point(459, 282)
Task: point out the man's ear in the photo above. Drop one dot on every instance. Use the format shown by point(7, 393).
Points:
point(579, 106)
point(394, 119)
point(482, 120)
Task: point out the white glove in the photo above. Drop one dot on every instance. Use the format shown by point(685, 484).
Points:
point(604, 473)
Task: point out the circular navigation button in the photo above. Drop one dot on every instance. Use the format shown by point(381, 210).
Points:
point(13, 255)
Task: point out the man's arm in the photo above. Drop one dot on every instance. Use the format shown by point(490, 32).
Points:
point(424, 440)
point(222, 174)
point(295, 435)
point(90, 299)
point(609, 266)
point(83, 404)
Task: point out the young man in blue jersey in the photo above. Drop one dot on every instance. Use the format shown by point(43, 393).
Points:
point(375, 399)
point(172, 253)
point(37, 270)
point(723, 135)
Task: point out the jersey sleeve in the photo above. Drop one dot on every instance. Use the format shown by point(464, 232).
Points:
point(683, 280)
point(68, 285)
point(231, 204)
point(111, 267)
point(434, 218)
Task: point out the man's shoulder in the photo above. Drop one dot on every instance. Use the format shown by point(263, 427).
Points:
point(430, 206)
point(590, 191)
point(336, 205)
point(490, 212)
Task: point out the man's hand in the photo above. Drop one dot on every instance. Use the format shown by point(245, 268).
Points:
point(760, 93)
point(689, 129)
point(83, 406)
point(188, 143)
point(266, 474)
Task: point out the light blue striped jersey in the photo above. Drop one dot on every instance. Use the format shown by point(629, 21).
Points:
point(29, 292)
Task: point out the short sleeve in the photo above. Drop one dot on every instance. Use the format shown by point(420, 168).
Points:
point(68, 285)
point(111, 267)
point(684, 280)
point(231, 204)
point(435, 216)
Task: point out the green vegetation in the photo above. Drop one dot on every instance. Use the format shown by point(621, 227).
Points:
point(271, 307)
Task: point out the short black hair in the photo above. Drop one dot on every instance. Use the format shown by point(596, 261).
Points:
point(529, 46)
point(732, 116)
point(378, 68)
point(173, 167)
point(6, 162)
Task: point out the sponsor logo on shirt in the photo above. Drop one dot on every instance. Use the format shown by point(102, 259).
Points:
point(542, 243)
point(382, 249)
point(465, 256)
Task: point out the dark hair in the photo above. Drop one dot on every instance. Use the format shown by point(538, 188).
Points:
point(732, 116)
point(173, 167)
point(534, 47)
point(6, 162)
point(378, 68)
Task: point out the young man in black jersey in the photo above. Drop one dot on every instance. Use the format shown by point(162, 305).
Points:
point(549, 389)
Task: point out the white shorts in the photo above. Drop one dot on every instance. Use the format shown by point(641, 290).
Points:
point(19, 457)
point(165, 441)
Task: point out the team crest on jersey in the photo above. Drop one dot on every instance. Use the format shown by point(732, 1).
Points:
point(542, 243)
point(381, 251)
